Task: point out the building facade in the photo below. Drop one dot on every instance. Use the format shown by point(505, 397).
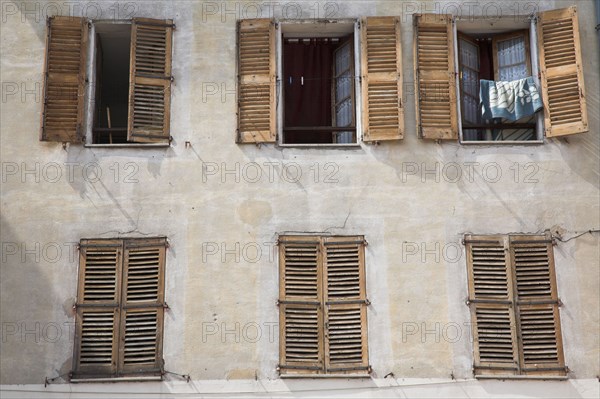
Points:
point(300, 198)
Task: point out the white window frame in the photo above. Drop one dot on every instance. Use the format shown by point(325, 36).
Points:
point(308, 26)
point(535, 72)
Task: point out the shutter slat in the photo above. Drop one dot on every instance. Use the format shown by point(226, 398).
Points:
point(435, 82)
point(150, 84)
point(563, 89)
point(383, 111)
point(64, 83)
point(256, 81)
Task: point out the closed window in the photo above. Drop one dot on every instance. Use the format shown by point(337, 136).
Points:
point(332, 79)
point(126, 78)
point(120, 308)
point(475, 52)
point(322, 305)
point(514, 306)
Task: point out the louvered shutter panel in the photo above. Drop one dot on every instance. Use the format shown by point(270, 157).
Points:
point(143, 306)
point(150, 81)
point(435, 77)
point(492, 310)
point(383, 111)
point(561, 73)
point(345, 305)
point(540, 340)
point(64, 79)
point(96, 339)
point(256, 81)
point(300, 305)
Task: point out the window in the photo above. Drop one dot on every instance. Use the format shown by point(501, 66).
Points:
point(311, 68)
point(129, 70)
point(120, 307)
point(514, 306)
point(501, 51)
point(322, 305)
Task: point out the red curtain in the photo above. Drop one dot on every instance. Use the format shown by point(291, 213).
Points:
point(307, 66)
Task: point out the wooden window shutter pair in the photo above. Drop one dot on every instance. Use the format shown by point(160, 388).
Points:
point(381, 69)
point(323, 319)
point(120, 307)
point(149, 83)
point(560, 65)
point(514, 305)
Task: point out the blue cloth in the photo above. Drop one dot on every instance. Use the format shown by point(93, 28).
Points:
point(509, 100)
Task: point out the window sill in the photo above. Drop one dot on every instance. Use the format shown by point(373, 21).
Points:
point(132, 145)
point(503, 142)
point(522, 377)
point(117, 379)
point(353, 146)
point(323, 376)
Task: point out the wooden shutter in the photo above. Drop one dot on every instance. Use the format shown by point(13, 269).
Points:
point(300, 305)
point(143, 303)
point(64, 79)
point(435, 77)
point(256, 81)
point(492, 308)
point(561, 73)
point(381, 64)
point(150, 81)
point(96, 339)
point(540, 341)
point(345, 305)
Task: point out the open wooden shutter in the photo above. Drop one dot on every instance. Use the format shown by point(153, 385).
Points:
point(561, 73)
point(381, 64)
point(96, 338)
point(256, 81)
point(491, 303)
point(540, 340)
point(300, 306)
point(64, 79)
point(345, 305)
point(150, 81)
point(435, 77)
point(143, 306)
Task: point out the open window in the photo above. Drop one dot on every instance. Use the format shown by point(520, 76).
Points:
point(123, 68)
point(298, 82)
point(511, 80)
point(495, 57)
point(318, 79)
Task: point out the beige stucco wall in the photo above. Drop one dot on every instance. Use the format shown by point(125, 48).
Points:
point(216, 281)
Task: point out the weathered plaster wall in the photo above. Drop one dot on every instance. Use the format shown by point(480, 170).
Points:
point(216, 279)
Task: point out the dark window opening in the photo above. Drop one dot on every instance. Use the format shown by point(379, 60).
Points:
point(113, 42)
point(318, 81)
point(503, 57)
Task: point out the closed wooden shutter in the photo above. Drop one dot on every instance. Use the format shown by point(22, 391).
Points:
point(150, 81)
point(120, 308)
point(561, 73)
point(514, 305)
point(435, 77)
point(98, 312)
point(540, 340)
point(256, 81)
point(381, 63)
point(323, 316)
point(491, 303)
point(345, 305)
point(64, 79)
point(143, 304)
point(300, 305)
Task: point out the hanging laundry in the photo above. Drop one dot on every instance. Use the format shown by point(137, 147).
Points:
point(510, 101)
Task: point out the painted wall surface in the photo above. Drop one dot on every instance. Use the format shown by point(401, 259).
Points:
point(223, 205)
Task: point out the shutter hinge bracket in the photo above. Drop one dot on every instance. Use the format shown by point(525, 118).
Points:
point(166, 306)
point(559, 302)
